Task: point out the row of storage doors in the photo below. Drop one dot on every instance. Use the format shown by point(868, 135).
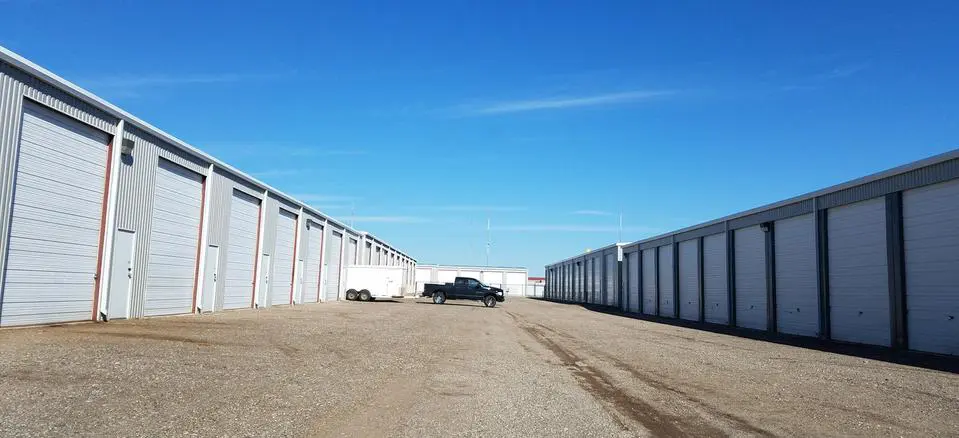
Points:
point(859, 303)
point(57, 226)
point(593, 280)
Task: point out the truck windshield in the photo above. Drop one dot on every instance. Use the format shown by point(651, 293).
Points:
point(482, 285)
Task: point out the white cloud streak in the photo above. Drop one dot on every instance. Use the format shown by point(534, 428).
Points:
point(319, 197)
point(575, 229)
point(132, 81)
point(593, 213)
point(481, 208)
point(518, 106)
point(387, 219)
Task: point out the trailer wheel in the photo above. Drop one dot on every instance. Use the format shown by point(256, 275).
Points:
point(351, 295)
point(489, 301)
point(439, 297)
point(365, 295)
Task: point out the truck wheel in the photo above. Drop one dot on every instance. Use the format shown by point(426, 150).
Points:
point(351, 295)
point(439, 297)
point(364, 295)
point(489, 301)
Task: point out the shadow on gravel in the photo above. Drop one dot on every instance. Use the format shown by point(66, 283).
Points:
point(912, 358)
point(450, 304)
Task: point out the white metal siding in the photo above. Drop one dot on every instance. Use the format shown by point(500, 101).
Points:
point(858, 281)
point(241, 251)
point(750, 259)
point(314, 263)
point(666, 285)
point(282, 279)
point(716, 307)
point(931, 234)
point(612, 291)
point(689, 280)
point(649, 281)
point(634, 287)
point(351, 258)
point(333, 253)
point(55, 224)
point(797, 293)
point(174, 238)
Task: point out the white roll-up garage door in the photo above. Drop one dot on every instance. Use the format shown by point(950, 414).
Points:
point(634, 287)
point(797, 293)
point(496, 279)
point(174, 238)
point(282, 283)
point(750, 263)
point(689, 280)
point(56, 219)
point(931, 234)
point(351, 256)
point(471, 274)
point(612, 277)
point(716, 307)
point(666, 307)
point(598, 280)
point(241, 251)
point(516, 284)
point(333, 253)
point(314, 261)
point(649, 281)
point(445, 276)
point(858, 281)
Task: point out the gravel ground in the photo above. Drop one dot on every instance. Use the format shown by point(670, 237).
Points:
point(526, 368)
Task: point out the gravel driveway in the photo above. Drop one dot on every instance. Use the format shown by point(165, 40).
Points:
point(525, 368)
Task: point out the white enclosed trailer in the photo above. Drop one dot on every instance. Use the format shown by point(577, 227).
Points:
point(366, 282)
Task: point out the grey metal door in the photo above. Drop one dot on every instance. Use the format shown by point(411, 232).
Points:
point(858, 279)
point(635, 294)
point(689, 280)
point(797, 291)
point(612, 281)
point(334, 254)
point(282, 287)
point(58, 198)
point(750, 259)
point(314, 261)
point(243, 232)
point(649, 281)
point(174, 240)
point(121, 277)
point(211, 263)
point(931, 234)
point(715, 290)
point(666, 283)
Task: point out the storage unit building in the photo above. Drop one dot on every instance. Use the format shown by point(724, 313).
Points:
point(512, 280)
point(871, 261)
point(103, 216)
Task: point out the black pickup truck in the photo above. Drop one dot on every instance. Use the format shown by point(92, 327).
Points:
point(464, 288)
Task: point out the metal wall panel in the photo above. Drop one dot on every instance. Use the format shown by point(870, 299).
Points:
point(334, 255)
point(797, 290)
point(239, 261)
point(750, 259)
point(858, 273)
point(56, 221)
point(931, 239)
point(715, 290)
point(368, 253)
point(352, 257)
point(689, 280)
point(598, 279)
point(649, 281)
point(634, 287)
point(666, 284)
point(612, 280)
point(283, 249)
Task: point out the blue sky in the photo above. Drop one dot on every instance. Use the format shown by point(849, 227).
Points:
point(423, 119)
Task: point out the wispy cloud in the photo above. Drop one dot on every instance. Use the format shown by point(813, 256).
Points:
point(593, 213)
point(280, 149)
point(387, 219)
point(481, 208)
point(517, 106)
point(321, 197)
point(132, 85)
point(273, 173)
point(575, 228)
point(840, 72)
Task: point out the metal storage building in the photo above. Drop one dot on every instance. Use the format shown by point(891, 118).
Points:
point(104, 216)
point(512, 280)
point(870, 261)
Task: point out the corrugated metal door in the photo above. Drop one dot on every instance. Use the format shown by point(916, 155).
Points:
point(598, 280)
point(496, 279)
point(689, 280)
point(174, 239)
point(351, 258)
point(587, 280)
point(931, 234)
point(716, 307)
point(612, 276)
point(750, 259)
point(241, 251)
point(649, 281)
point(516, 283)
point(634, 287)
point(858, 281)
point(471, 274)
point(283, 258)
point(369, 254)
point(333, 266)
point(666, 307)
point(56, 220)
point(314, 262)
point(797, 293)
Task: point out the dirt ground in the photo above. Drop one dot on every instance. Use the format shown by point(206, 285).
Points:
point(525, 368)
